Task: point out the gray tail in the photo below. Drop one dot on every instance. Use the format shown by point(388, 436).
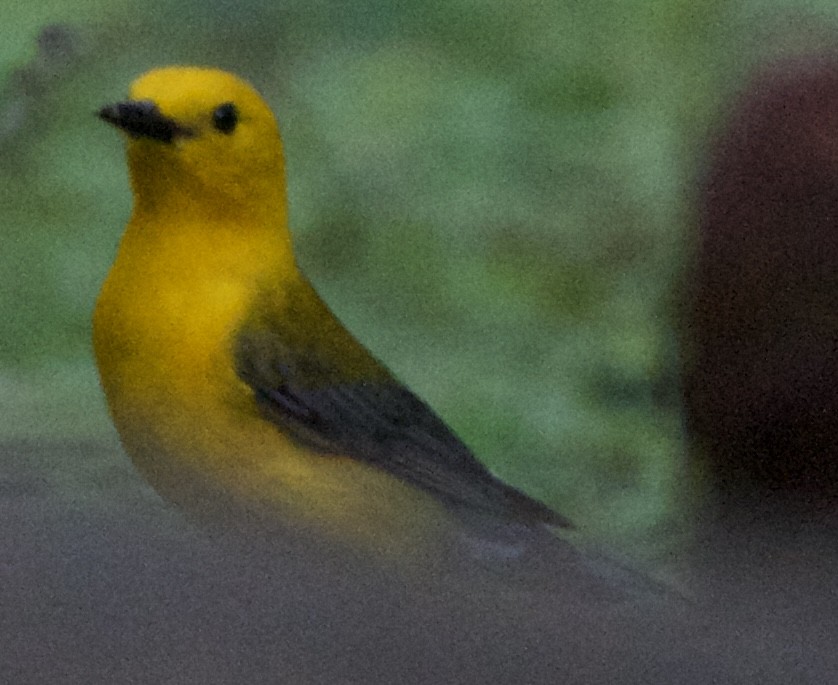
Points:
point(537, 558)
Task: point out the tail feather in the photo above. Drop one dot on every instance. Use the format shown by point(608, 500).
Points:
point(536, 557)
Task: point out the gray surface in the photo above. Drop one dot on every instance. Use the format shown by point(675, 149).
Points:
point(101, 583)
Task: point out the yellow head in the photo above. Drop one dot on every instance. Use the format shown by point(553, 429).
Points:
point(201, 143)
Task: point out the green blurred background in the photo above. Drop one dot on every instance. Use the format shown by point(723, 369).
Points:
point(495, 196)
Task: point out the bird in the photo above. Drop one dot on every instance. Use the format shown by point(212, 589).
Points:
point(235, 390)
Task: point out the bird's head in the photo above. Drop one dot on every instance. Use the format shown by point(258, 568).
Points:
point(200, 139)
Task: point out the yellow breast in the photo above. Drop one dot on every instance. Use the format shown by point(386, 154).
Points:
point(164, 329)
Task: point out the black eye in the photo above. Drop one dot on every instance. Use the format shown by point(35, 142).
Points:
point(225, 117)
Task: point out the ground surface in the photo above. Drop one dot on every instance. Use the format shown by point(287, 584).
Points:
point(100, 582)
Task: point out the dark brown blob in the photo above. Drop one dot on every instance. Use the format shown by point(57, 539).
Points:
point(761, 326)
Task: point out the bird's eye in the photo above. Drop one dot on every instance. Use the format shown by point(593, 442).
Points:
point(225, 117)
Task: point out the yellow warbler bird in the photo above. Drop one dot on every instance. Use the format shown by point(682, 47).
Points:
point(231, 383)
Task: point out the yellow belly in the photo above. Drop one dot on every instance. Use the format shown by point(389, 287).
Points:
point(193, 430)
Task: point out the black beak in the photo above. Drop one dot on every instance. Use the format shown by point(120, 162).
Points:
point(142, 119)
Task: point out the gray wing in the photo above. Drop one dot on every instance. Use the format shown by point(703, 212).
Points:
point(379, 422)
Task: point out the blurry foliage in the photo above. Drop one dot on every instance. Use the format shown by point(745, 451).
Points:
point(493, 195)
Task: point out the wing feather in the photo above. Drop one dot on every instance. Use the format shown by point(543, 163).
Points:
point(377, 421)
